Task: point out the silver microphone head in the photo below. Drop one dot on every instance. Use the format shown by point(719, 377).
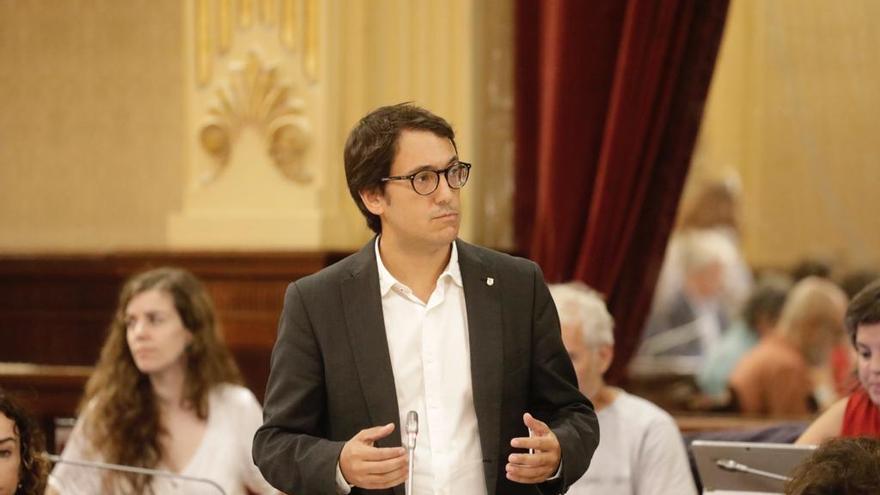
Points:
point(412, 429)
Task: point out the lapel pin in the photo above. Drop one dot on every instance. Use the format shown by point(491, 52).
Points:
point(490, 281)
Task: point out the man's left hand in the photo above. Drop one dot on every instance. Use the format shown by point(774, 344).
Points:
point(543, 460)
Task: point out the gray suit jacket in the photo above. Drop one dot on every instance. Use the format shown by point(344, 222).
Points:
point(331, 373)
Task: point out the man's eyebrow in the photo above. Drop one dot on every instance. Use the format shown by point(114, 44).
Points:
point(430, 167)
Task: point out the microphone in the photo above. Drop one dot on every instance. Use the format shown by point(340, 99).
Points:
point(106, 466)
point(731, 465)
point(412, 431)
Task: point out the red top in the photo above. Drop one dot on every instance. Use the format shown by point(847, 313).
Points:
point(862, 417)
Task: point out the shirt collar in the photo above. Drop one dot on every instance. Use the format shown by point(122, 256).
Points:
point(387, 280)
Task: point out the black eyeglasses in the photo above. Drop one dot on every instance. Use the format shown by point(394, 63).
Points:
point(425, 182)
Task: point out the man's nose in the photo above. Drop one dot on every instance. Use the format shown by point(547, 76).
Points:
point(443, 192)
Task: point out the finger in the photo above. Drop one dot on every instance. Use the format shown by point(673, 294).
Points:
point(545, 443)
point(372, 454)
point(540, 459)
point(536, 425)
point(386, 480)
point(375, 433)
point(529, 475)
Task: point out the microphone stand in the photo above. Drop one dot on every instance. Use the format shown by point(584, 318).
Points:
point(731, 465)
point(412, 431)
point(106, 466)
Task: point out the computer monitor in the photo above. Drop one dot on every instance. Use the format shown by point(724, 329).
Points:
point(728, 468)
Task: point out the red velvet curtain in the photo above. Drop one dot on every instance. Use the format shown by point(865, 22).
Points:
point(609, 97)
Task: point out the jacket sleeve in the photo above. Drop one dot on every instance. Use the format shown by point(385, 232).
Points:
point(554, 395)
point(290, 448)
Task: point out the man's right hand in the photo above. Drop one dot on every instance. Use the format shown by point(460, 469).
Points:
point(366, 466)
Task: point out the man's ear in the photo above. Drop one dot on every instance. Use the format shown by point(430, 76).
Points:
point(606, 355)
point(374, 200)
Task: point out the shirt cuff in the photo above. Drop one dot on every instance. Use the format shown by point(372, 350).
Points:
point(342, 486)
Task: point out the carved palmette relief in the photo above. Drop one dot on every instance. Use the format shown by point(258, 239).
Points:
point(253, 91)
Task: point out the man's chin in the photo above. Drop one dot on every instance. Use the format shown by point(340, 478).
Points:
point(447, 235)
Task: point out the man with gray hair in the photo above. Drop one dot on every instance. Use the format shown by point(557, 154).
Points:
point(641, 450)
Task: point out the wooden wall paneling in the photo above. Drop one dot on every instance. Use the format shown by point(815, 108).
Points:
point(54, 310)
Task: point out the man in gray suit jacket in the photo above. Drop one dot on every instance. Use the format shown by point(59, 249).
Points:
point(419, 320)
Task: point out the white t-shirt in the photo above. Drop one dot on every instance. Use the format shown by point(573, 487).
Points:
point(224, 456)
point(640, 453)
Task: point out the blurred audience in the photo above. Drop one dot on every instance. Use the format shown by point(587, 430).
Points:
point(165, 394)
point(843, 466)
point(810, 267)
point(854, 281)
point(714, 208)
point(641, 450)
point(23, 468)
point(859, 413)
point(691, 322)
point(759, 316)
point(783, 374)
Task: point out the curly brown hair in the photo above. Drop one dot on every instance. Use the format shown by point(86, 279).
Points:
point(120, 410)
point(34, 467)
point(840, 466)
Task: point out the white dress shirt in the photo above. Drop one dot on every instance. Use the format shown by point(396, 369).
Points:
point(430, 358)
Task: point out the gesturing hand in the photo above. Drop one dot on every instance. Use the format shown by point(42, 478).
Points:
point(370, 467)
point(542, 462)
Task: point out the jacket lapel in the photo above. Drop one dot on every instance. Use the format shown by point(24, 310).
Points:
point(366, 331)
point(483, 301)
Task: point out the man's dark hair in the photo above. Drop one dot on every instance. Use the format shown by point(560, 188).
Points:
point(840, 466)
point(863, 310)
point(372, 146)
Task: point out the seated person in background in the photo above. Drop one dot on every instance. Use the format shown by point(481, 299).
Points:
point(165, 395)
point(854, 281)
point(690, 324)
point(776, 377)
point(843, 358)
point(23, 468)
point(810, 267)
point(713, 207)
point(641, 450)
point(759, 316)
point(843, 466)
point(858, 414)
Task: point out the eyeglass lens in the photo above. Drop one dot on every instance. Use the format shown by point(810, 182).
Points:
point(426, 181)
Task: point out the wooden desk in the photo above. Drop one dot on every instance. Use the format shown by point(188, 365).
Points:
point(696, 423)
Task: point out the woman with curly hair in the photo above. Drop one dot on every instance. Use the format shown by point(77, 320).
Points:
point(23, 468)
point(165, 395)
point(840, 466)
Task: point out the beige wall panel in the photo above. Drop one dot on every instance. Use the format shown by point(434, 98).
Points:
point(793, 108)
point(91, 127)
point(99, 130)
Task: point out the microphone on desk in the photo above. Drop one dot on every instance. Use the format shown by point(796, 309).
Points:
point(412, 431)
point(731, 465)
point(106, 466)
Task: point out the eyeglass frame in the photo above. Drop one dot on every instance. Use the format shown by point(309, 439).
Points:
point(445, 173)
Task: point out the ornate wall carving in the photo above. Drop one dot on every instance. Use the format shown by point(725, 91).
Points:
point(255, 146)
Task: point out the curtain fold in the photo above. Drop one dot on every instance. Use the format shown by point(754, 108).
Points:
point(609, 100)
